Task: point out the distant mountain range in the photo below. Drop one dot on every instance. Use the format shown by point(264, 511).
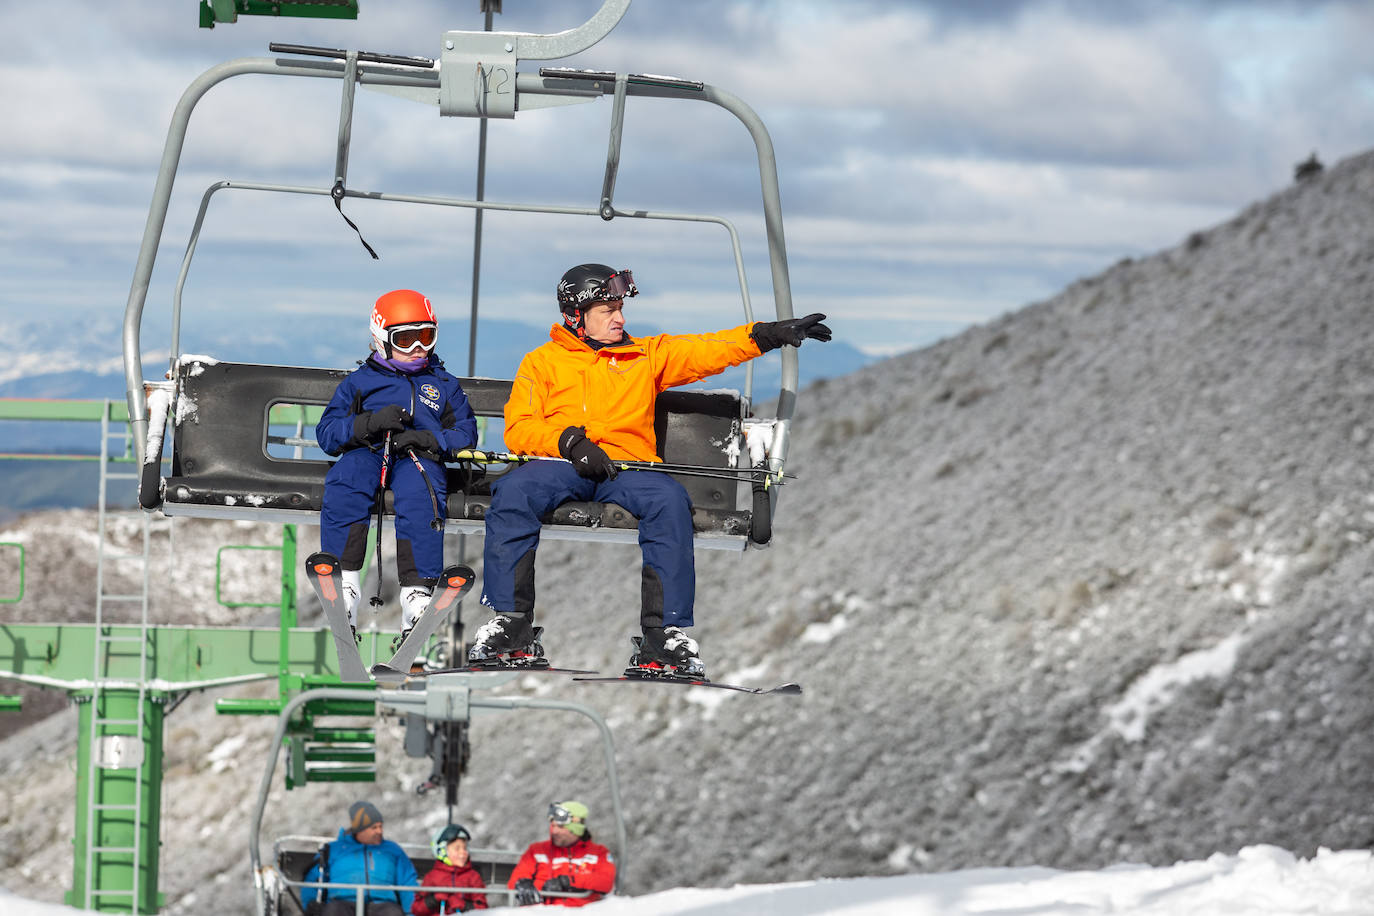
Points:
point(32, 374)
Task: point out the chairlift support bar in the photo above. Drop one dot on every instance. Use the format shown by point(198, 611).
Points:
point(371, 57)
point(509, 207)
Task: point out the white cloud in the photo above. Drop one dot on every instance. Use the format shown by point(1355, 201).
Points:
point(977, 161)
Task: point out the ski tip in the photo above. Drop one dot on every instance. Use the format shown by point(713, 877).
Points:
point(787, 688)
point(381, 668)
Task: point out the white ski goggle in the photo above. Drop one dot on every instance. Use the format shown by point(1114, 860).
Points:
point(407, 337)
point(560, 815)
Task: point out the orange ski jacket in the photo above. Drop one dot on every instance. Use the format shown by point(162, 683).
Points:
point(611, 391)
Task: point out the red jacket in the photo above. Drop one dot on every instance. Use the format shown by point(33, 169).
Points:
point(442, 875)
point(610, 391)
point(589, 866)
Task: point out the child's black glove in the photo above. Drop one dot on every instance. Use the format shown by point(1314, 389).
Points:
point(373, 424)
point(422, 440)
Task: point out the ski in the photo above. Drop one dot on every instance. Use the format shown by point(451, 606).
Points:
point(642, 676)
point(453, 584)
point(382, 672)
point(323, 571)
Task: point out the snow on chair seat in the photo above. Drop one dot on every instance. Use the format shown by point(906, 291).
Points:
point(230, 460)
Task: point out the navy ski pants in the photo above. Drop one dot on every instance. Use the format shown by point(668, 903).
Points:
point(350, 500)
point(520, 498)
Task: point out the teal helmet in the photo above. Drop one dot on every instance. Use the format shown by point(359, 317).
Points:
point(446, 835)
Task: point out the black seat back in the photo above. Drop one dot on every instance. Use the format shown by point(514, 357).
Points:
point(221, 463)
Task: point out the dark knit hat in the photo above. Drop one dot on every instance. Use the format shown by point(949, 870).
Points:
point(362, 815)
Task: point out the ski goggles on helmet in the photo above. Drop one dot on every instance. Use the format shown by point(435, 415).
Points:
point(617, 286)
point(562, 816)
point(406, 337)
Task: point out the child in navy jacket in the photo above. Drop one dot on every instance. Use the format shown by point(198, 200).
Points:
point(401, 394)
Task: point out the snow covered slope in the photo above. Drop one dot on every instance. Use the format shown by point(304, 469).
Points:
point(1258, 881)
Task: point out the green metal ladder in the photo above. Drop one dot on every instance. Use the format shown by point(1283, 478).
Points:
point(118, 720)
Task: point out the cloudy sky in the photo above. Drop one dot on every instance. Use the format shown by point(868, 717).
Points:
point(941, 162)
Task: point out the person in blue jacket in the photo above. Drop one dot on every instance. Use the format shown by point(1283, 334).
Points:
point(402, 394)
point(360, 856)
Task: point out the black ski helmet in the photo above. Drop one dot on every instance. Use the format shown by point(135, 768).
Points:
point(588, 283)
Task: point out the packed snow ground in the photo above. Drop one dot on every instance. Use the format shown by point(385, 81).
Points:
point(1259, 881)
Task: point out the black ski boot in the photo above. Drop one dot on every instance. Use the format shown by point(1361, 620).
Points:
point(507, 641)
point(667, 649)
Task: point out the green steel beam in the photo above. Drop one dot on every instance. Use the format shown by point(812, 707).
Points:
point(59, 655)
point(213, 11)
point(67, 410)
point(309, 414)
point(11, 704)
point(62, 409)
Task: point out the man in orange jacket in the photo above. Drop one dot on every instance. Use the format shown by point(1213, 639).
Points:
point(588, 396)
point(568, 861)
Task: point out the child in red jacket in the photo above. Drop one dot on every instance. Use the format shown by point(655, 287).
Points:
point(451, 870)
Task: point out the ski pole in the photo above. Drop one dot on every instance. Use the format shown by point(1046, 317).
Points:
point(699, 470)
point(438, 523)
point(376, 600)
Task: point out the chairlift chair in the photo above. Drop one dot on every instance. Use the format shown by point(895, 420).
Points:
point(230, 457)
point(452, 697)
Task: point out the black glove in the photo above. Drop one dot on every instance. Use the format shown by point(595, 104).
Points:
point(432, 903)
point(373, 424)
point(770, 335)
point(586, 456)
point(525, 894)
point(558, 883)
point(422, 440)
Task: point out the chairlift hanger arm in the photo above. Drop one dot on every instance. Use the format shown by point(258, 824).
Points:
point(162, 193)
point(375, 57)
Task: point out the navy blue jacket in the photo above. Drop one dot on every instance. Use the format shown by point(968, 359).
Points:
point(432, 396)
point(351, 862)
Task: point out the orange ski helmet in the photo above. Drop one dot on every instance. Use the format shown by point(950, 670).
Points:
point(399, 307)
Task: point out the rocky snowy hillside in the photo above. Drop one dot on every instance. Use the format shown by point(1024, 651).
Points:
point(1087, 584)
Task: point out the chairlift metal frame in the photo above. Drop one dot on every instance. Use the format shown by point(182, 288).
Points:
point(475, 76)
point(440, 698)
